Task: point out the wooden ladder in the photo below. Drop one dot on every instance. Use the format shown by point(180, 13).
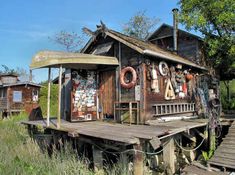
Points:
point(173, 108)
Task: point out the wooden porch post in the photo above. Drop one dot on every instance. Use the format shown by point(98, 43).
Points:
point(97, 158)
point(59, 98)
point(138, 159)
point(169, 156)
point(48, 96)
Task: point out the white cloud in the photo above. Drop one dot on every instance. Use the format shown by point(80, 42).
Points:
point(30, 34)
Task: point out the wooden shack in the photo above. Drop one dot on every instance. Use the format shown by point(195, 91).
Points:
point(156, 82)
point(154, 99)
point(189, 46)
point(16, 96)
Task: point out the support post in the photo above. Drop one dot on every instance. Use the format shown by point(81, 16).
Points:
point(138, 160)
point(30, 75)
point(97, 158)
point(124, 161)
point(130, 112)
point(48, 96)
point(169, 155)
point(59, 98)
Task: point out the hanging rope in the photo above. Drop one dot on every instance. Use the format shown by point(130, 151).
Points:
point(194, 149)
point(132, 150)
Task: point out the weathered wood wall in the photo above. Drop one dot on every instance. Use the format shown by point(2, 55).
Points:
point(27, 103)
point(107, 92)
point(130, 57)
point(188, 46)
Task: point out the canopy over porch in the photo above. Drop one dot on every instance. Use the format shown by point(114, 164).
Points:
point(57, 59)
point(54, 59)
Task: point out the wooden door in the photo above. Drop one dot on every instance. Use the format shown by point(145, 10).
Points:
point(107, 93)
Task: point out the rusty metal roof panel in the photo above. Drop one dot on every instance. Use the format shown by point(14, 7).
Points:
point(45, 59)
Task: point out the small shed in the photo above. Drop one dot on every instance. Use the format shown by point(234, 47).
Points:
point(16, 96)
point(127, 79)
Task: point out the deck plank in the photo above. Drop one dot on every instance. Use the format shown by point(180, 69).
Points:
point(224, 156)
point(193, 170)
point(119, 132)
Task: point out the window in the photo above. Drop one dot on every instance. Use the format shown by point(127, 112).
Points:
point(3, 93)
point(35, 95)
point(17, 96)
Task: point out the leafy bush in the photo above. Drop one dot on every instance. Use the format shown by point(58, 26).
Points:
point(54, 99)
point(224, 100)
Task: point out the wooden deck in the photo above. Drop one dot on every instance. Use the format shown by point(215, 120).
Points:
point(128, 134)
point(193, 170)
point(225, 154)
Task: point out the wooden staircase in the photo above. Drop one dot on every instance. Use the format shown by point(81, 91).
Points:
point(224, 155)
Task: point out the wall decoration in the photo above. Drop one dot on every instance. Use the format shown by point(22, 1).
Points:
point(154, 79)
point(131, 83)
point(169, 92)
point(163, 68)
point(173, 74)
point(83, 93)
point(137, 92)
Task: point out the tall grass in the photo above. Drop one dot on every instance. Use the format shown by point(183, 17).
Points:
point(19, 154)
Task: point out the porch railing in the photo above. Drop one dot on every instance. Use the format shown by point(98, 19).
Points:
point(3, 103)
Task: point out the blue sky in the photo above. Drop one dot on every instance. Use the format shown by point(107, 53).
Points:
point(26, 25)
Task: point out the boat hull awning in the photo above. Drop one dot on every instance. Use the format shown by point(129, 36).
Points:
point(54, 59)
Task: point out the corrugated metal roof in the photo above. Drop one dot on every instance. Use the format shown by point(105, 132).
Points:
point(70, 60)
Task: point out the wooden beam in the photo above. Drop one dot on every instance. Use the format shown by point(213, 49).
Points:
point(97, 158)
point(155, 143)
point(138, 159)
point(59, 98)
point(169, 155)
point(204, 136)
point(130, 112)
point(190, 137)
point(48, 96)
point(143, 90)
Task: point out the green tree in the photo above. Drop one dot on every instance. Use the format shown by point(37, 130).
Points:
point(6, 70)
point(215, 19)
point(54, 99)
point(22, 73)
point(140, 25)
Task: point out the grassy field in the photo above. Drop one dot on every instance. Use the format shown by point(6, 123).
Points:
point(19, 154)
